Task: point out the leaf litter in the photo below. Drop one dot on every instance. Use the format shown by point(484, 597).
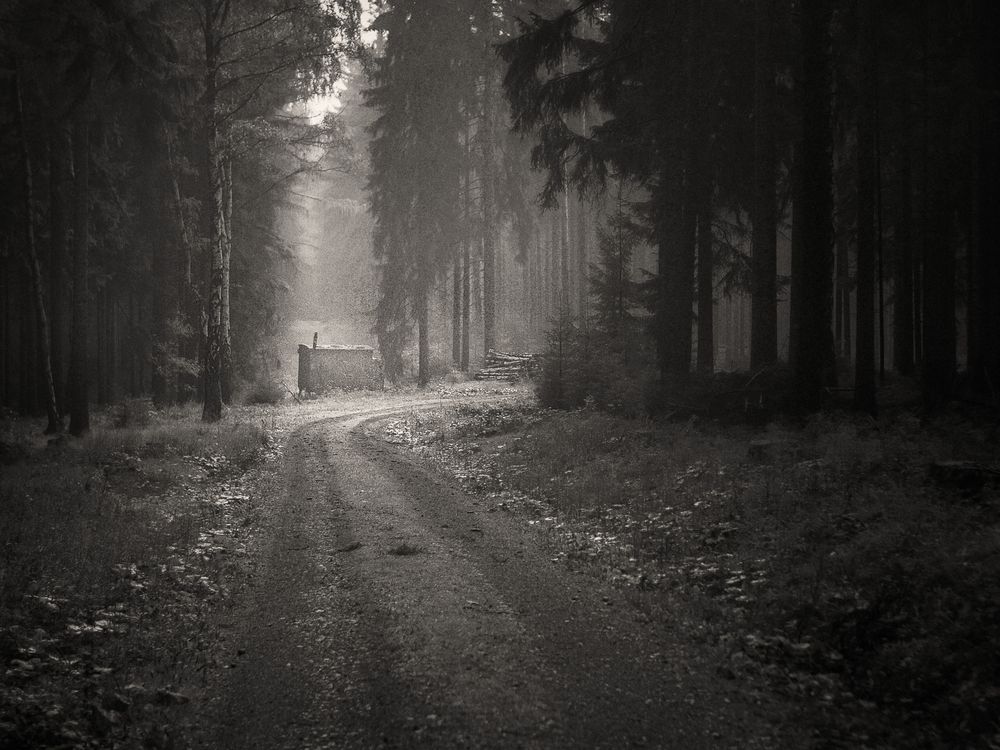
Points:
point(780, 565)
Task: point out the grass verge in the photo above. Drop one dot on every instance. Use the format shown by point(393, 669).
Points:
point(111, 549)
point(821, 560)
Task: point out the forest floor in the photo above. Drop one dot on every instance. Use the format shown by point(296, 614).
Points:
point(847, 564)
point(815, 572)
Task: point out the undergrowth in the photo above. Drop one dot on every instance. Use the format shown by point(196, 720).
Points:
point(109, 548)
point(818, 558)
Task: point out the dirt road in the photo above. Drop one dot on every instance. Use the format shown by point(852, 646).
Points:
point(389, 609)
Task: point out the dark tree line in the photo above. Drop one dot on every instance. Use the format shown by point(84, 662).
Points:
point(847, 124)
point(153, 140)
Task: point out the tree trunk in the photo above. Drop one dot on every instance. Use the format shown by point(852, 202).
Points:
point(6, 333)
point(114, 349)
point(812, 281)
point(864, 367)
point(456, 312)
point(842, 293)
point(29, 401)
point(902, 307)
point(101, 331)
point(564, 260)
point(939, 334)
point(59, 155)
point(212, 397)
point(489, 211)
point(34, 268)
point(467, 259)
point(535, 282)
point(583, 298)
point(706, 284)
point(550, 267)
point(938, 294)
point(212, 404)
point(79, 417)
point(985, 351)
point(163, 303)
point(675, 222)
point(227, 254)
point(187, 309)
point(675, 274)
point(764, 320)
point(423, 337)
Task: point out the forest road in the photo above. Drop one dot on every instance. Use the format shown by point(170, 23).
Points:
point(390, 609)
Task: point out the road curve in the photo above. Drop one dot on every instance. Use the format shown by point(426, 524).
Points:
point(390, 609)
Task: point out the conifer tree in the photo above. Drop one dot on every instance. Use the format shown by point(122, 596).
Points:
point(416, 164)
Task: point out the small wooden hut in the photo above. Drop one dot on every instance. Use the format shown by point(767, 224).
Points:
point(323, 368)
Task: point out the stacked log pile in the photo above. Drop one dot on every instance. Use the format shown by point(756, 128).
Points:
point(507, 366)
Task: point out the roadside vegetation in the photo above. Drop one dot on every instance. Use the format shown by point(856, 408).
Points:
point(823, 559)
point(112, 548)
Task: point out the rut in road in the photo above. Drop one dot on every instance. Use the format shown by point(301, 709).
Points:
point(390, 609)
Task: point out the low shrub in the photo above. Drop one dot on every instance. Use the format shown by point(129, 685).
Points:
point(263, 392)
point(826, 563)
point(133, 412)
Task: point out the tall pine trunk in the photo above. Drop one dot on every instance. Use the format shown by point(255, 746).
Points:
point(812, 263)
point(764, 310)
point(486, 177)
point(59, 156)
point(423, 335)
point(212, 397)
point(864, 361)
point(674, 226)
point(985, 349)
point(706, 283)
point(79, 414)
point(227, 255)
point(34, 268)
point(675, 273)
point(842, 292)
point(467, 256)
point(564, 259)
point(938, 280)
point(186, 310)
point(583, 298)
point(456, 310)
point(902, 307)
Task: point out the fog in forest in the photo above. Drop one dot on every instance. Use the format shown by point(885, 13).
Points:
point(440, 181)
point(500, 373)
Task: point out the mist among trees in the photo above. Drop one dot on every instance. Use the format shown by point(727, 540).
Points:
point(648, 194)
